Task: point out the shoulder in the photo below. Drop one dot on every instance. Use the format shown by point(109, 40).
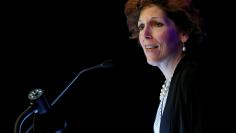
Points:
point(188, 70)
point(189, 76)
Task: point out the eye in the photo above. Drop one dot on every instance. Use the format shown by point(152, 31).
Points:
point(141, 27)
point(156, 24)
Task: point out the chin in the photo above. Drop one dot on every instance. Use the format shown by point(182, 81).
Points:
point(152, 62)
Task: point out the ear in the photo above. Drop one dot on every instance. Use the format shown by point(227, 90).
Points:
point(184, 37)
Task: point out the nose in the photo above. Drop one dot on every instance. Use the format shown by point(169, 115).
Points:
point(147, 33)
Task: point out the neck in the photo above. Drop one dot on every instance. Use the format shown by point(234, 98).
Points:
point(168, 65)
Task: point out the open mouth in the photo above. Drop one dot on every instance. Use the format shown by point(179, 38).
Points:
point(151, 46)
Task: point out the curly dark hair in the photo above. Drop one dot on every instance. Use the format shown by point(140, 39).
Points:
point(182, 12)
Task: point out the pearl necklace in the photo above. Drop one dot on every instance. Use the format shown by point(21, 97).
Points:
point(165, 89)
point(160, 111)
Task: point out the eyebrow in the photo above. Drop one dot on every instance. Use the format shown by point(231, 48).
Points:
point(151, 18)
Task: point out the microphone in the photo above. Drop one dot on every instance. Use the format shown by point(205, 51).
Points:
point(39, 103)
point(104, 64)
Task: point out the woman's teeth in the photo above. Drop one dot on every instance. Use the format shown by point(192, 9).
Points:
point(151, 46)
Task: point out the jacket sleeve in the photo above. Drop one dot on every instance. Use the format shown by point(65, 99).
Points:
point(191, 109)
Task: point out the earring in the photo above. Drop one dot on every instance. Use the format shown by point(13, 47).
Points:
point(184, 48)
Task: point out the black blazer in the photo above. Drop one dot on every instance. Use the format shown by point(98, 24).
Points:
point(183, 111)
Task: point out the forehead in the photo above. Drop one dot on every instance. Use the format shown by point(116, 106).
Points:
point(151, 11)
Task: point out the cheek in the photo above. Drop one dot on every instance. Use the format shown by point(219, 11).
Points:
point(161, 38)
point(168, 37)
point(141, 39)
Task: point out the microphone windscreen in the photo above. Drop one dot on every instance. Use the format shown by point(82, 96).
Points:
point(107, 64)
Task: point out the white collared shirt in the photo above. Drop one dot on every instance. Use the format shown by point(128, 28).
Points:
point(159, 114)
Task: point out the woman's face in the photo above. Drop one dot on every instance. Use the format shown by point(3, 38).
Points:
point(158, 35)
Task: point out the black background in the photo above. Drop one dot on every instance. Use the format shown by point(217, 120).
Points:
point(46, 43)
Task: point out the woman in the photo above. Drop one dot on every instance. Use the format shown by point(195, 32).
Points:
point(168, 32)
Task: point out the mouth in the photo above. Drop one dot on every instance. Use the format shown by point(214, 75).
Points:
point(150, 46)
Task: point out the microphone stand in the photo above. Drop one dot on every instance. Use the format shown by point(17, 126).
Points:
point(22, 118)
point(39, 103)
